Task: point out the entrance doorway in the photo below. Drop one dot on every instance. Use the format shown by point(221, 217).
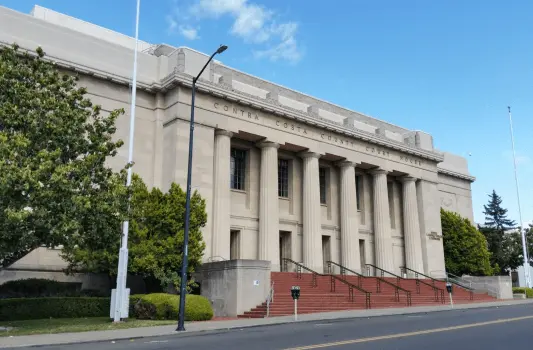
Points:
point(326, 251)
point(362, 254)
point(235, 245)
point(284, 249)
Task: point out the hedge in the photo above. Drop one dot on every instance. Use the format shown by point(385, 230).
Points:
point(527, 291)
point(157, 306)
point(160, 306)
point(37, 287)
point(41, 308)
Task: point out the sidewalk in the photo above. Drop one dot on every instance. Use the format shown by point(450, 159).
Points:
point(196, 328)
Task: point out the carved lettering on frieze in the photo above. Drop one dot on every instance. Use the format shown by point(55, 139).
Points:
point(336, 139)
point(410, 160)
point(291, 126)
point(376, 150)
point(237, 111)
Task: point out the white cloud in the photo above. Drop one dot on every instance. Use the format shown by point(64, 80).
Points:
point(252, 22)
point(189, 32)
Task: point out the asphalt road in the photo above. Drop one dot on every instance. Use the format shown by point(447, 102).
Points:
point(490, 328)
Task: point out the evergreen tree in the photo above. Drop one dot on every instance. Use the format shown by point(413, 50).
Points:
point(501, 247)
point(495, 215)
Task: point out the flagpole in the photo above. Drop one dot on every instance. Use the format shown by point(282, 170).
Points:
point(122, 271)
point(522, 231)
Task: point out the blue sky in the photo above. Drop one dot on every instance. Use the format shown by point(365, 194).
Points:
point(449, 68)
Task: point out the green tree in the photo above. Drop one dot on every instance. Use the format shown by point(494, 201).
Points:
point(513, 247)
point(465, 248)
point(54, 142)
point(495, 229)
point(155, 238)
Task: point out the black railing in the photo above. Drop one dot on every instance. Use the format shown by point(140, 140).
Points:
point(418, 280)
point(343, 271)
point(439, 293)
point(433, 280)
point(379, 280)
point(351, 288)
point(299, 268)
point(333, 279)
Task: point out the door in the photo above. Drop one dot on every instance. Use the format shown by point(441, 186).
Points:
point(362, 254)
point(235, 245)
point(284, 248)
point(326, 252)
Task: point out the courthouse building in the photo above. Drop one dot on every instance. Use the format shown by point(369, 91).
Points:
point(284, 174)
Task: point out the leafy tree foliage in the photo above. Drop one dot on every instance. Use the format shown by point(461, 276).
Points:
point(512, 245)
point(465, 248)
point(155, 238)
point(54, 183)
point(501, 242)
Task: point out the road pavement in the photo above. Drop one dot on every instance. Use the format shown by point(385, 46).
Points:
point(504, 327)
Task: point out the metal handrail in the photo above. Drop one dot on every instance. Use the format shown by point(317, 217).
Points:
point(333, 280)
point(433, 280)
point(351, 287)
point(299, 268)
point(378, 282)
point(343, 271)
point(436, 290)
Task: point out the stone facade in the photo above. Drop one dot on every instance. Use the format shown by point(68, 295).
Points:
point(284, 175)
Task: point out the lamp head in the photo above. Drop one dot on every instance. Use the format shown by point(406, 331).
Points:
point(221, 49)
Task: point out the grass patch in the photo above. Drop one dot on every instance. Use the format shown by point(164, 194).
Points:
point(67, 325)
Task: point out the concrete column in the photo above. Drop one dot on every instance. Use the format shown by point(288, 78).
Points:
point(382, 230)
point(312, 226)
point(269, 205)
point(221, 195)
point(413, 246)
point(350, 255)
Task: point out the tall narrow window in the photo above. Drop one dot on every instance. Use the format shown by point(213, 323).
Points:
point(358, 189)
point(283, 178)
point(238, 168)
point(323, 185)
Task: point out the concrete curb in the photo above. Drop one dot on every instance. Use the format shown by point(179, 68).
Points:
point(208, 328)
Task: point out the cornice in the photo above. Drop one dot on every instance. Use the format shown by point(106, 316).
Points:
point(226, 92)
point(456, 174)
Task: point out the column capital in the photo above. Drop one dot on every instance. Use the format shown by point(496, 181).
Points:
point(407, 178)
point(378, 171)
point(346, 163)
point(267, 144)
point(223, 133)
point(308, 154)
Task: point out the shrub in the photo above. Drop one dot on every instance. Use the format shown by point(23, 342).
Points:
point(162, 306)
point(527, 291)
point(37, 287)
point(40, 308)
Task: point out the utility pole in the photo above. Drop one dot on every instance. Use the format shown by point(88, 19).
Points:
point(522, 231)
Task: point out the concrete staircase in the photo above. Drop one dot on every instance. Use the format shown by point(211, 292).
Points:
point(321, 298)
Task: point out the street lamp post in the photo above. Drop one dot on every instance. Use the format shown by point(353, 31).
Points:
point(183, 286)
